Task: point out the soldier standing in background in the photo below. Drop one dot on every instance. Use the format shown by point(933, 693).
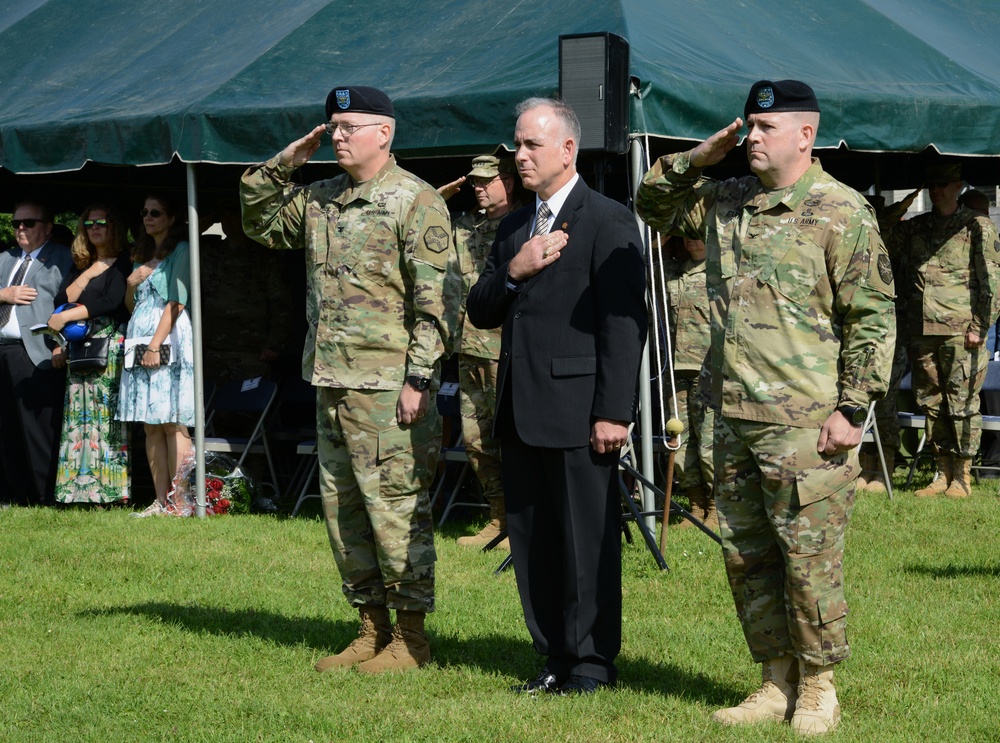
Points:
point(687, 301)
point(802, 329)
point(494, 182)
point(378, 241)
point(948, 286)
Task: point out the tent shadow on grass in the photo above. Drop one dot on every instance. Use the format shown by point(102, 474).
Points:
point(492, 653)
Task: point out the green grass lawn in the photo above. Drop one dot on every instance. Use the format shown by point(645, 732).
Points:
point(118, 629)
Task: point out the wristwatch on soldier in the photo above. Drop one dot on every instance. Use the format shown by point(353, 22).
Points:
point(856, 414)
point(418, 383)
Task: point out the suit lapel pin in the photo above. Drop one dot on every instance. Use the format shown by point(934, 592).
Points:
point(565, 225)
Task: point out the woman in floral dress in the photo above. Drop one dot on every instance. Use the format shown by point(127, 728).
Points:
point(93, 456)
point(161, 395)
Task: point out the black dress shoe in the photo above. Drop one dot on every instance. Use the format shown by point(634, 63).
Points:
point(546, 681)
point(580, 685)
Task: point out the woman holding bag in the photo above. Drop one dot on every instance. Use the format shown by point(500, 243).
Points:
point(93, 456)
point(158, 381)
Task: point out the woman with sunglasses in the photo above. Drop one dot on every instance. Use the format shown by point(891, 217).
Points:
point(158, 381)
point(93, 459)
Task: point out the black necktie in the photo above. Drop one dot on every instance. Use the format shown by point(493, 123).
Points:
point(6, 309)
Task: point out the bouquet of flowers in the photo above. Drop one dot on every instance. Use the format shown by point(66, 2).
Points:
point(228, 489)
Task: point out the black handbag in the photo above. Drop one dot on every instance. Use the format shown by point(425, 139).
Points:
point(90, 354)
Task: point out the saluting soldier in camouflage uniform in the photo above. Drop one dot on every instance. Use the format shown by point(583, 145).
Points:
point(802, 330)
point(948, 286)
point(494, 182)
point(688, 314)
point(377, 241)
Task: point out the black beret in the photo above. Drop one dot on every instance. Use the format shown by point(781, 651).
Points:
point(358, 99)
point(781, 95)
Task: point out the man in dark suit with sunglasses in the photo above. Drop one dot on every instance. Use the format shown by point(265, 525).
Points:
point(31, 389)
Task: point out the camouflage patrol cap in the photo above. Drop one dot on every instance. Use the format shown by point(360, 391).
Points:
point(780, 95)
point(490, 166)
point(943, 173)
point(358, 99)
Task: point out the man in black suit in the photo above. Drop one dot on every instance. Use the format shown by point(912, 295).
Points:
point(565, 279)
point(31, 389)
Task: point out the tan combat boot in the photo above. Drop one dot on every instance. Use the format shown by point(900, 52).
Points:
point(409, 647)
point(961, 483)
point(869, 465)
point(498, 522)
point(876, 484)
point(942, 478)
point(774, 701)
point(375, 634)
point(817, 710)
point(696, 496)
point(711, 514)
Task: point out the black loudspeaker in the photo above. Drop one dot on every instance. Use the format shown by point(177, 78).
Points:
point(593, 79)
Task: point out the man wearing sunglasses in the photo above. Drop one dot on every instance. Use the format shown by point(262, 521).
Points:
point(31, 389)
point(949, 294)
point(377, 241)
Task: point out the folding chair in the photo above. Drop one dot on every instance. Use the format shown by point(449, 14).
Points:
point(991, 407)
point(912, 420)
point(305, 473)
point(871, 434)
point(449, 454)
point(991, 385)
point(292, 423)
point(255, 401)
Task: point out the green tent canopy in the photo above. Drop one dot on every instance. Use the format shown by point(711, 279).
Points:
point(138, 82)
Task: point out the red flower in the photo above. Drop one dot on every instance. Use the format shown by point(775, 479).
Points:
point(215, 484)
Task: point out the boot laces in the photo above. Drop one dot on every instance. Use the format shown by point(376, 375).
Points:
point(766, 690)
point(811, 693)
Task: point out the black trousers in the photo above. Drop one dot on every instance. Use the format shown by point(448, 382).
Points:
point(31, 413)
point(564, 523)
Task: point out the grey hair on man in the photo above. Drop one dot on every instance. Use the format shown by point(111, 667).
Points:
point(566, 115)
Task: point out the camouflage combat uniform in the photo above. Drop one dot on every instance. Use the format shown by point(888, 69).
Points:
point(687, 302)
point(376, 254)
point(246, 308)
point(478, 352)
point(948, 284)
point(802, 321)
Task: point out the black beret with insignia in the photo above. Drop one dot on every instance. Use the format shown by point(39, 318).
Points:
point(358, 99)
point(780, 95)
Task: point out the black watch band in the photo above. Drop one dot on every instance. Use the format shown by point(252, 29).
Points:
point(418, 383)
point(856, 414)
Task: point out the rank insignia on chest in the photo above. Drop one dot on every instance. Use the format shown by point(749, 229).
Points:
point(996, 246)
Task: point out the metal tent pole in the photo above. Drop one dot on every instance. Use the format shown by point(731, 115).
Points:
point(194, 238)
point(645, 395)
